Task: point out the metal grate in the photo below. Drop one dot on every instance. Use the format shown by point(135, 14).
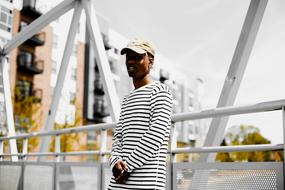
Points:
point(38, 177)
point(72, 176)
point(228, 176)
point(228, 180)
point(10, 177)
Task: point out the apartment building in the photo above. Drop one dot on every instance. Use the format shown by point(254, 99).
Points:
point(34, 68)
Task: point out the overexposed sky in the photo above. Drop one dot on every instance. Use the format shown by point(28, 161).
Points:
point(201, 36)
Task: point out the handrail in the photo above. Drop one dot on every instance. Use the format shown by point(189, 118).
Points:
point(239, 148)
point(231, 110)
point(209, 113)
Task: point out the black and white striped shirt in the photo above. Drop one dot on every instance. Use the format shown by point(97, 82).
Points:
point(141, 137)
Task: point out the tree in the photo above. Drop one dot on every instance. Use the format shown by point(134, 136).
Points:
point(247, 135)
point(73, 141)
point(28, 114)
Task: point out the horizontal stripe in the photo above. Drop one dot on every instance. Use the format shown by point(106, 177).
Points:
point(141, 137)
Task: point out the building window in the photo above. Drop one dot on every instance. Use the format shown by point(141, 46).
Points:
point(3, 40)
point(23, 89)
point(52, 90)
point(23, 24)
point(53, 67)
point(72, 97)
point(74, 50)
point(73, 73)
point(55, 41)
point(5, 19)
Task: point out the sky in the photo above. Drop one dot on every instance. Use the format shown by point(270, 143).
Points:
point(200, 38)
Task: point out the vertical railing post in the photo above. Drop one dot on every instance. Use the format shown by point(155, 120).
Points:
point(173, 145)
point(1, 150)
point(25, 148)
point(103, 157)
point(283, 118)
point(103, 146)
point(57, 147)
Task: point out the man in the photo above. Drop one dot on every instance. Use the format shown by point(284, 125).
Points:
point(138, 157)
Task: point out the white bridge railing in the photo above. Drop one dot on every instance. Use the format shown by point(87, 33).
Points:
point(173, 166)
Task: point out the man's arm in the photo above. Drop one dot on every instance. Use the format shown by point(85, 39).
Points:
point(161, 109)
point(116, 152)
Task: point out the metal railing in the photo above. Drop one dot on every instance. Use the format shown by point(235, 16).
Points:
point(211, 113)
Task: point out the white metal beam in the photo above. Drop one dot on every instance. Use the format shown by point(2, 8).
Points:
point(235, 74)
point(232, 82)
point(38, 24)
point(103, 63)
point(8, 105)
point(61, 75)
point(283, 119)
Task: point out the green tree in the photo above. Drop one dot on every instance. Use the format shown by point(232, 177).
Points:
point(28, 115)
point(73, 141)
point(246, 135)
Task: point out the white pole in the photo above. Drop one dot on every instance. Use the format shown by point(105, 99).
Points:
point(235, 74)
point(38, 24)
point(8, 106)
point(61, 75)
point(103, 63)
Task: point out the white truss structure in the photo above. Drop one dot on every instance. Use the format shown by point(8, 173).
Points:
point(100, 53)
point(227, 97)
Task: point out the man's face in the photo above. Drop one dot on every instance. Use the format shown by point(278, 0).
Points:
point(138, 65)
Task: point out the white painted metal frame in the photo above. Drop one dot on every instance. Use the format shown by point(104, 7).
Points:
point(233, 79)
point(38, 24)
point(283, 119)
point(103, 63)
point(104, 67)
point(211, 113)
point(8, 105)
point(96, 41)
point(235, 74)
point(62, 74)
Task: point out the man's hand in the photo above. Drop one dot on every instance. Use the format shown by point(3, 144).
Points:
point(120, 173)
point(120, 165)
point(118, 168)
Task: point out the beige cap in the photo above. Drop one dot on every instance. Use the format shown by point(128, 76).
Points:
point(139, 46)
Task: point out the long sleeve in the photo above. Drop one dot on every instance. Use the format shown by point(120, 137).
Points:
point(161, 109)
point(116, 152)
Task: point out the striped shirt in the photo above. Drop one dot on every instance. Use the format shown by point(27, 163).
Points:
point(141, 137)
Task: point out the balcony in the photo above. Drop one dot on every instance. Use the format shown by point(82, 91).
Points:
point(27, 64)
point(100, 110)
point(98, 87)
point(113, 54)
point(29, 9)
point(37, 40)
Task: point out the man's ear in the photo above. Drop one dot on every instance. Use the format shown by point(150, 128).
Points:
point(151, 62)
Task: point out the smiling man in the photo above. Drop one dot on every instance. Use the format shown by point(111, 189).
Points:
point(138, 157)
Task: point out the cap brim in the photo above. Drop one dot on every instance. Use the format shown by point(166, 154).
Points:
point(135, 49)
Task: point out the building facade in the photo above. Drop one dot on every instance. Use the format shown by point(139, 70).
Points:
point(35, 64)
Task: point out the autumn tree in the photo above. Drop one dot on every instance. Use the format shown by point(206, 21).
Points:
point(72, 141)
point(27, 108)
point(246, 135)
